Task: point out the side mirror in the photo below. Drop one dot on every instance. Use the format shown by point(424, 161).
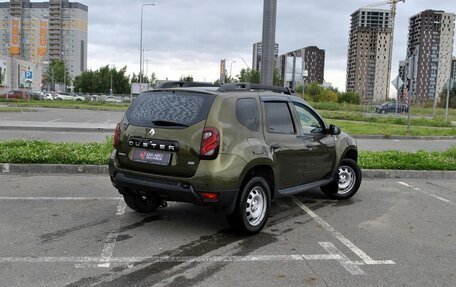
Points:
point(334, 130)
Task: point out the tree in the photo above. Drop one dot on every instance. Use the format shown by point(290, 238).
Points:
point(313, 91)
point(327, 95)
point(57, 73)
point(249, 75)
point(99, 81)
point(349, 98)
point(452, 100)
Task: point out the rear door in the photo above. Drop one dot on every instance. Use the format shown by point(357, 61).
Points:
point(163, 131)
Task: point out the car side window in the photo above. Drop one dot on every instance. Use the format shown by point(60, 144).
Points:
point(309, 122)
point(278, 118)
point(247, 113)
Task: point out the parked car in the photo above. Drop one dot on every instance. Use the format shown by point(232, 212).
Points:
point(69, 97)
point(112, 99)
point(236, 147)
point(16, 94)
point(48, 97)
point(390, 107)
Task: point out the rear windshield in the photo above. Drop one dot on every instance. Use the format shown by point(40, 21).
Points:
point(178, 107)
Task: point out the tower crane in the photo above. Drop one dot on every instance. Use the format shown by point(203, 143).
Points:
point(392, 3)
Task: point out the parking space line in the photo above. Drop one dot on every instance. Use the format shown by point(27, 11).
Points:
point(427, 193)
point(361, 254)
point(344, 261)
point(110, 242)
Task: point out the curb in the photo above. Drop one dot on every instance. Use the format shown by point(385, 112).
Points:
point(70, 169)
point(387, 137)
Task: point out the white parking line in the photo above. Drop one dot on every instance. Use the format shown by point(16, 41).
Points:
point(110, 242)
point(54, 120)
point(344, 261)
point(427, 193)
point(361, 254)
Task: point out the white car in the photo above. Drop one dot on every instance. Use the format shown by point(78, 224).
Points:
point(48, 97)
point(112, 99)
point(69, 97)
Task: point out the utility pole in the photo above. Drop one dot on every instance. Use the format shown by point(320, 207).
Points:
point(268, 42)
point(447, 99)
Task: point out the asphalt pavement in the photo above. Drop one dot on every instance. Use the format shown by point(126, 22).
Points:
point(76, 231)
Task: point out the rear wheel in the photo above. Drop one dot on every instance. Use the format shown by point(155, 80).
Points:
point(252, 208)
point(347, 182)
point(140, 203)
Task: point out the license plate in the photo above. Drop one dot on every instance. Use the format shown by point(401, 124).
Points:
point(152, 156)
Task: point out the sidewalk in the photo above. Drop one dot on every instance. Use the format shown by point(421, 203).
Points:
point(57, 126)
point(68, 169)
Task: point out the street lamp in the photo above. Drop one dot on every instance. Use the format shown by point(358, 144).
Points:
point(140, 45)
point(231, 66)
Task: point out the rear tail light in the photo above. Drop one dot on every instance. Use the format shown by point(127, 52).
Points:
point(210, 143)
point(116, 135)
point(209, 196)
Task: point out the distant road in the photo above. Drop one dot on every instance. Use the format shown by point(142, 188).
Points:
point(108, 119)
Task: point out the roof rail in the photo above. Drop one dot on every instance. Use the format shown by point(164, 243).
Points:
point(230, 87)
point(183, 84)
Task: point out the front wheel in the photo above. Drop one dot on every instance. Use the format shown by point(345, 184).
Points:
point(347, 182)
point(252, 208)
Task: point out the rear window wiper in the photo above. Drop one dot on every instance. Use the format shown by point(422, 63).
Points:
point(168, 123)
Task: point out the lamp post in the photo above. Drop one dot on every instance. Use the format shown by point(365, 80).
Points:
point(110, 90)
point(140, 45)
point(231, 67)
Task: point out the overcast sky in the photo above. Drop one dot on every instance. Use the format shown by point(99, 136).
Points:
point(183, 37)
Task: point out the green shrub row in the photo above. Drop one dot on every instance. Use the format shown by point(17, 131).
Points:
point(20, 151)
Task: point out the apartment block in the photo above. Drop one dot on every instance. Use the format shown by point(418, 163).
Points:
point(305, 65)
point(38, 32)
point(430, 43)
point(369, 54)
point(256, 55)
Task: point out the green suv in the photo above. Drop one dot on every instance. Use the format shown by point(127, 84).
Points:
point(236, 147)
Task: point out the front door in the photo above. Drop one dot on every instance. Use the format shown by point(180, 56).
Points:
point(320, 153)
point(286, 146)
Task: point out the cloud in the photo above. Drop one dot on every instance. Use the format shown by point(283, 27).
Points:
point(184, 37)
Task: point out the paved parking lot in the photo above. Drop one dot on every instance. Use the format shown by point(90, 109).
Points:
point(76, 231)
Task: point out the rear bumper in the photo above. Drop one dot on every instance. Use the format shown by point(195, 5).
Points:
point(171, 190)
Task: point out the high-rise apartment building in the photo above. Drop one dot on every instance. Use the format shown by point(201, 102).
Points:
point(453, 69)
point(308, 63)
point(41, 31)
point(256, 56)
point(430, 40)
point(403, 77)
point(369, 54)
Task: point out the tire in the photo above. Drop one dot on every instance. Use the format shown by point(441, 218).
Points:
point(383, 111)
point(348, 181)
point(252, 208)
point(141, 204)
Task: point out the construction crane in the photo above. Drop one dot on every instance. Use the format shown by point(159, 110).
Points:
point(392, 3)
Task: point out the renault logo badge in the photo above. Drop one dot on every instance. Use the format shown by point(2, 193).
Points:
point(151, 132)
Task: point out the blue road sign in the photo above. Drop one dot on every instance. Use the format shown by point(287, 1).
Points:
point(28, 75)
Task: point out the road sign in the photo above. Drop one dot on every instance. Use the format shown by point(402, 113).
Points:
point(28, 75)
point(397, 83)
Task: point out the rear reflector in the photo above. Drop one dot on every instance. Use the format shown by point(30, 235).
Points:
point(209, 196)
point(210, 143)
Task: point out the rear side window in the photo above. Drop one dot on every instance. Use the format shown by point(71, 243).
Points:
point(278, 118)
point(174, 107)
point(247, 113)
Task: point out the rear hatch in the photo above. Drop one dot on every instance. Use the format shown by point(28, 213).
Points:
point(161, 132)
